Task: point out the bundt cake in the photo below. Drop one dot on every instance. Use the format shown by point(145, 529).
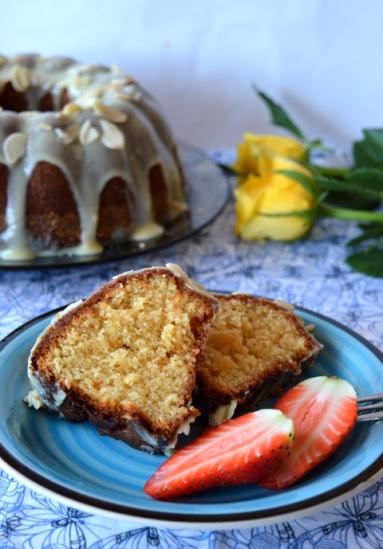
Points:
point(125, 358)
point(254, 346)
point(86, 159)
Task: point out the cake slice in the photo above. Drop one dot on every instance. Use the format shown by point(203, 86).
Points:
point(125, 358)
point(254, 346)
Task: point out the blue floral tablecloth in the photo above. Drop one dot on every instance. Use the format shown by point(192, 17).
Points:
point(310, 273)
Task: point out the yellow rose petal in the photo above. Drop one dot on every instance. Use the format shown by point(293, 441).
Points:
point(247, 158)
point(254, 154)
point(274, 228)
point(247, 197)
point(273, 193)
point(277, 144)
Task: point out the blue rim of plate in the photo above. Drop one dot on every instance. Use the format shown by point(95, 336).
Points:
point(25, 473)
point(201, 174)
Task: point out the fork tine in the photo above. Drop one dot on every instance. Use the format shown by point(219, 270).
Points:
point(377, 396)
point(378, 406)
point(373, 416)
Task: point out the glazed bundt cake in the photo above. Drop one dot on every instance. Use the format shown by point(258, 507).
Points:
point(254, 346)
point(86, 159)
point(125, 359)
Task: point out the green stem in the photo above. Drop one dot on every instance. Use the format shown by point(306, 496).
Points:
point(329, 171)
point(351, 215)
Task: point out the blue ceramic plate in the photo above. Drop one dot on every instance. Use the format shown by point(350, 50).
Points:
point(73, 463)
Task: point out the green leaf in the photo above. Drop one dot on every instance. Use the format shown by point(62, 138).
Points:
point(306, 181)
point(354, 201)
point(338, 172)
point(347, 187)
point(371, 178)
point(374, 137)
point(308, 214)
point(318, 145)
point(369, 262)
point(322, 197)
point(369, 233)
point(364, 156)
point(279, 116)
point(369, 152)
point(229, 170)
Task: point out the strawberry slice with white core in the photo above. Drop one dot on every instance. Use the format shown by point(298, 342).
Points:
point(324, 411)
point(238, 451)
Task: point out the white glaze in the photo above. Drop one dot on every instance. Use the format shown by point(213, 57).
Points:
point(283, 304)
point(189, 282)
point(222, 413)
point(34, 400)
point(147, 231)
point(37, 396)
point(153, 444)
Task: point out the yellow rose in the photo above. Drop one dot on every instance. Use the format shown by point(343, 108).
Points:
point(251, 151)
point(272, 193)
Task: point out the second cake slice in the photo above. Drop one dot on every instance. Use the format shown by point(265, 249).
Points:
point(254, 346)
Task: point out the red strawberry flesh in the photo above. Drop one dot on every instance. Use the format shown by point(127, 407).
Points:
point(324, 411)
point(238, 451)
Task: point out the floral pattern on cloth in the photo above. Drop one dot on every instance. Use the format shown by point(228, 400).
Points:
point(310, 273)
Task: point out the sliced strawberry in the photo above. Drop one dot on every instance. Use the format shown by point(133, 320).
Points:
point(324, 411)
point(238, 451)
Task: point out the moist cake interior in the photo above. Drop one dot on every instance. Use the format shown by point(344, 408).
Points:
point(133, 348)
point(247, 341)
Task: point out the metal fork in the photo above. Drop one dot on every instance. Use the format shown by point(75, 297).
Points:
point(368, 407)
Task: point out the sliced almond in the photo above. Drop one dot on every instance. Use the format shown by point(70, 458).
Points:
point(132, 91)
point(68, 383)
point(121, 80)
point(21, 78)
point(67, 135)
point(284, 304)
point(178, 206)
point(44, 126)
point(79, 82)
point(110, 113)
point(14, 147)
point(130, 88)
point(123, 97)
point(71, 109)
point(88, 133)
point(136, 95)
point(86, 101)
point(91, 68)
point(112, 137)
point(117, 83)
